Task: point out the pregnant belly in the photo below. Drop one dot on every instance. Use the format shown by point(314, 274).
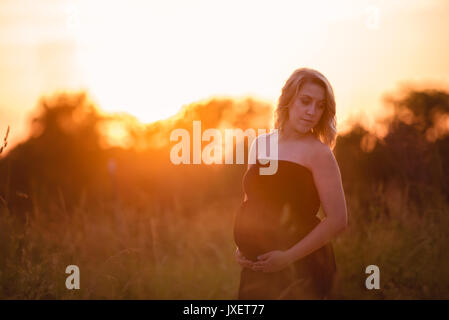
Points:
point(259, 228)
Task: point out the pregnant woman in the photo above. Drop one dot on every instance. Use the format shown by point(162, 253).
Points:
point(283, 247)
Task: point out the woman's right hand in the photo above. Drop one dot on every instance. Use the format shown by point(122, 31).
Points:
point(242, 260)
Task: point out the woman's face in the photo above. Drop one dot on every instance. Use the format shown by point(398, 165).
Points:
point(307, 109)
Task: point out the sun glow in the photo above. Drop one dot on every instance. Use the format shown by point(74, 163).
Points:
point(151, 58)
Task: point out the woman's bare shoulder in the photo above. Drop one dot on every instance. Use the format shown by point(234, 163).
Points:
point(317, 151)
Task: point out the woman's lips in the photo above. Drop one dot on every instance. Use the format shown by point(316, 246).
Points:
point(308, 121)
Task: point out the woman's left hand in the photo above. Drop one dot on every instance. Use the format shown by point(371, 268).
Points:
point(272, 261)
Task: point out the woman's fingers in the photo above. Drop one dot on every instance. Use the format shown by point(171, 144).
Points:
point(238, 253)
point(247, 265)
point(242, 260)
point(238, 256)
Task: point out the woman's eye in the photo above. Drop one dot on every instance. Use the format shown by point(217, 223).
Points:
point(305, 101)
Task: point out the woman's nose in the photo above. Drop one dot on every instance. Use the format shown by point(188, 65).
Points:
point(312, 109)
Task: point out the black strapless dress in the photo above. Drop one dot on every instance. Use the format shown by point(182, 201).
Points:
point(280, 210)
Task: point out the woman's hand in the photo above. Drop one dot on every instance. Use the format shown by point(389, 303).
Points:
point(242, 260)
point(272, 261)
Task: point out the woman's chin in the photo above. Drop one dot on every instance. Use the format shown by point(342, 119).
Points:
point(302, 129)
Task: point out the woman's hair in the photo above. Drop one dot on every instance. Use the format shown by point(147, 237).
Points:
point(325, 130)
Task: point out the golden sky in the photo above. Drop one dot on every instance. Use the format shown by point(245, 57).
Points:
point(149, 58)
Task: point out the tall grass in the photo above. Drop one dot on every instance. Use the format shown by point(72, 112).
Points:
point(123, 252)
point(143, 251)
point(5, 141)
point(408, 243)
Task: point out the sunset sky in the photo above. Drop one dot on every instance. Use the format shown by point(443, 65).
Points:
point(148, 58)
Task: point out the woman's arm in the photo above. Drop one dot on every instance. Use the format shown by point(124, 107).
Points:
point(328, 183)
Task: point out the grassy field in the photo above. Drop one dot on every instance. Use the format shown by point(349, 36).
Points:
point(145, 252)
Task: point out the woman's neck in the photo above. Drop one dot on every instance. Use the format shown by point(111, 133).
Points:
point(289, 134)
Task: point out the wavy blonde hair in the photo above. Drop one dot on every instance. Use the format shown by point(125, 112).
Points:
point(326, 129)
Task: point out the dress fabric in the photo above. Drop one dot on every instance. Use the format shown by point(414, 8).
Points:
point(279, 211)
